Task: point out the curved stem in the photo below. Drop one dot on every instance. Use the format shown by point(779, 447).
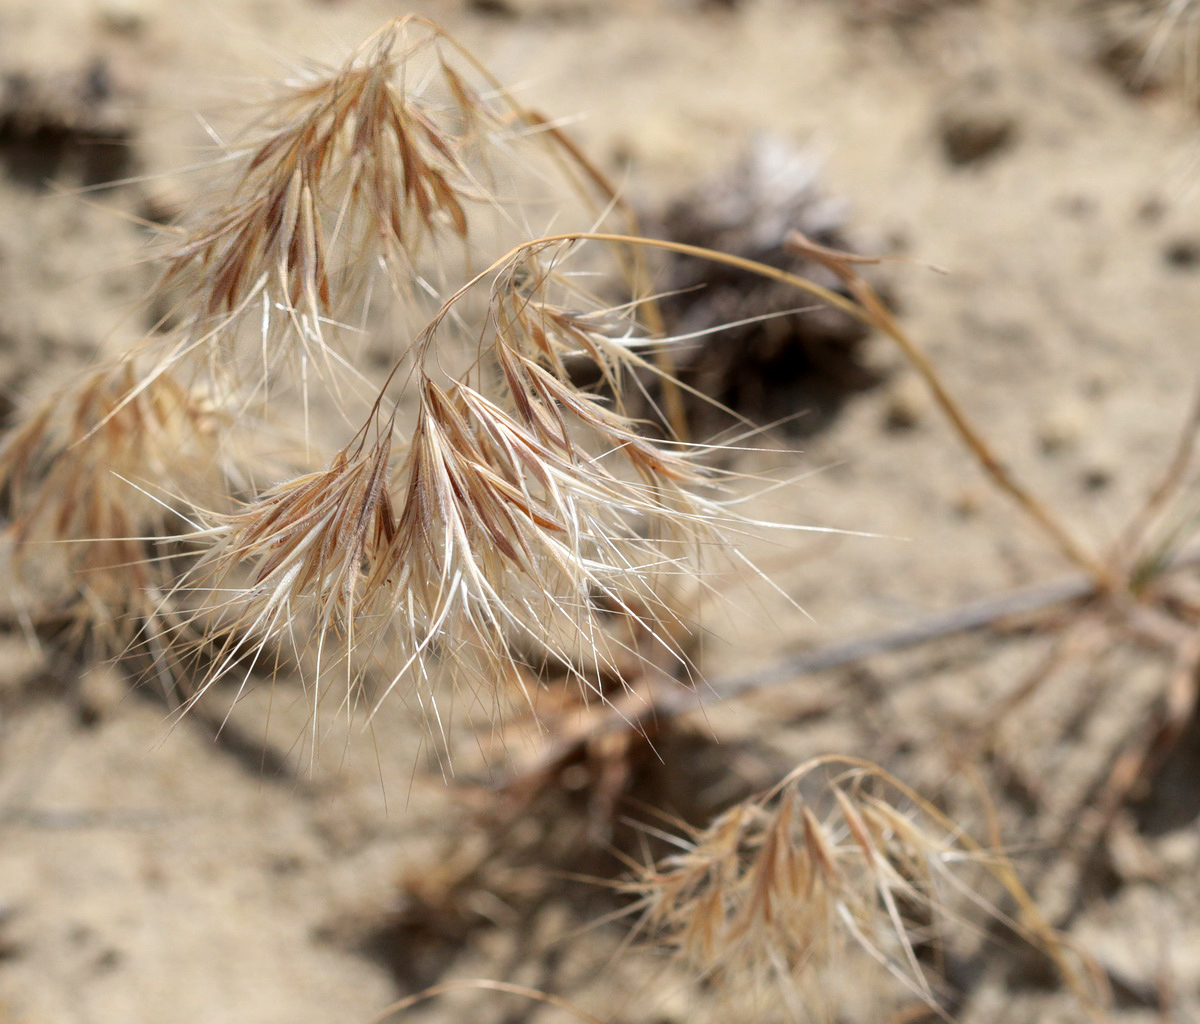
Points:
point(872, 311)
point(490, 986)
point(866, 307)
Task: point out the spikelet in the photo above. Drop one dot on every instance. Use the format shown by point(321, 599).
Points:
point(364, 180)
point(784, 889)
point(293, 559)
point(507, 534)
point(89, 479)
point(490, 531)
point(514, 510)
point(354, 143)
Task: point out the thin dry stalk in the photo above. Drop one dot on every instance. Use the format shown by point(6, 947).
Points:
point(484, 985)
point(871, 310)
point(865, 305)
point(1130, 551)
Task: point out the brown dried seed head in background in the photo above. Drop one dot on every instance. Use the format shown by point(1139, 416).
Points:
point(89, 479)
point(780, 890)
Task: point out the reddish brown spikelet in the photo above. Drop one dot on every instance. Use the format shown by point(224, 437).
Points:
point(352, 149)
point(315, 537)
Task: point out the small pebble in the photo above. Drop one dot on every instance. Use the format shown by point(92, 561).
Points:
point(1063, 427)
point(1182, 254)
point(972, 134)
point(1097, 477)
point(967, 503)
point(907, 404)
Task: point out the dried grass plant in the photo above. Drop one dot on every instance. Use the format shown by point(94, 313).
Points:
point(91, 477)
point(471, 502)
point(352, 191)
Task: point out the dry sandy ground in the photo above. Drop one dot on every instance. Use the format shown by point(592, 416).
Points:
point(149, 874)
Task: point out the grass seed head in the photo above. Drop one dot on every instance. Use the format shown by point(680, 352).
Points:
point(354, 167)
point(784, 890)
point(90, 479)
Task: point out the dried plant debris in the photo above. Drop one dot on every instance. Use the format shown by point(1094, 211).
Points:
point(440, 906)
point(775, 361)
point(568, 835)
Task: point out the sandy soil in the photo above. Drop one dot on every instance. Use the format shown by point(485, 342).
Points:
point(150, 874)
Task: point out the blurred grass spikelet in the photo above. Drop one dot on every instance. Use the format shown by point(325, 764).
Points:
point(91, 478)
point(793, 884)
